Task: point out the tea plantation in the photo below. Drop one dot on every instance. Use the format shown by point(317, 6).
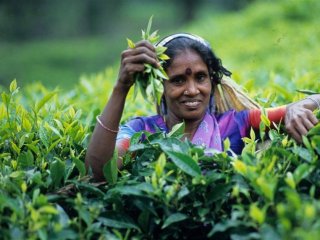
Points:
point(168, 188)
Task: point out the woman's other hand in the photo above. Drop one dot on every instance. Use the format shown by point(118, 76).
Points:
point(300, 119)
point(132, 62)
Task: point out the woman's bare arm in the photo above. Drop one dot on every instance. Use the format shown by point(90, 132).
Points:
point(102, 142)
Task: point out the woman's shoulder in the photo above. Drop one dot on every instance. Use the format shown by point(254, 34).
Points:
point(230, 114)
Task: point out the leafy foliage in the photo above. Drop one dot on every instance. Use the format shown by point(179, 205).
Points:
point(168, 188)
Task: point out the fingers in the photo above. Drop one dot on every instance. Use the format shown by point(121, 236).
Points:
point(139, 58)
point(146, 44)
point(313, 119)
point(133, 68)
point(133, 60)
point(299, 122)
point(144, 52)
point(295, 134)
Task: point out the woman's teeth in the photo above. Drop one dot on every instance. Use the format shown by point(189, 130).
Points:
point(191, 103)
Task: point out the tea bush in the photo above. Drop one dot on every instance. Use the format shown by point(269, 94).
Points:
point(168, 188)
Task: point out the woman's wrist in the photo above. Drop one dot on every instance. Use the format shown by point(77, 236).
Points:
point(121, 88)
point(312, 102)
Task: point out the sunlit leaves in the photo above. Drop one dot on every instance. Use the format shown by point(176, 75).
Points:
point(43, 101)
point(177, 130)
point(110, 169)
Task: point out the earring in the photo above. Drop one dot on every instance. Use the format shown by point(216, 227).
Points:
point(163, 107)
point(186, 92)
point(212, 104)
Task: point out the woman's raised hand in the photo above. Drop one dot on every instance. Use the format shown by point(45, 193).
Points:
point(133, 60)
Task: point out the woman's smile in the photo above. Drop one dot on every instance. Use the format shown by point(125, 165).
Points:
point(191, 103)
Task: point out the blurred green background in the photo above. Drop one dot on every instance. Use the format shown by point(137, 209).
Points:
point(55, 42)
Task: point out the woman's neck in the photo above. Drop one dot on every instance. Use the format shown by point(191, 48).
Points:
point(191, 126)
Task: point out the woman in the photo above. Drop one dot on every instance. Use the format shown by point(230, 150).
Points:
point(189, 95)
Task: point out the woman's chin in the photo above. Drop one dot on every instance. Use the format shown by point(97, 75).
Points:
point(193, 115)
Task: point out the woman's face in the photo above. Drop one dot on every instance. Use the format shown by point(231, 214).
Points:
point(187, 92)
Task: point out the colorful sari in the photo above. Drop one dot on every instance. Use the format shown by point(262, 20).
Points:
point(211, 133)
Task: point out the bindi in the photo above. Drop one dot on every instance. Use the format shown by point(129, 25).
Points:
point(188, 71)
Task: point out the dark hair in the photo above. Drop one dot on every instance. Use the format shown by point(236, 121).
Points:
point(182, 43)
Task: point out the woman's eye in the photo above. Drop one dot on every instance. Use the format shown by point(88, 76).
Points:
point(201, 77)
point(177, 80)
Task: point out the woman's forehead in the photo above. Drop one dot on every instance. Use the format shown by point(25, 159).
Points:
point(187, 59)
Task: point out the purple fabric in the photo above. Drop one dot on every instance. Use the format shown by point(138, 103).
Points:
point(212, 131)
point(208, 133)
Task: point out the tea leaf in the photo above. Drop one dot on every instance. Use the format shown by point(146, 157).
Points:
point(290, 180)
point(267, 187)
point(110, 169)
point(57, 172)
point(314, 131)
point(177, 130)
point(185, 163)
point(162, 74)
point(25, 159)
point(44, 100)
point(301, 172)
point(118, 221)
point(13, 86)
point(5, 98)
point(80, 166)
point(256, 214)
point(226, 144)
point(161, 162)
point(26, 124)
point(265, 120)
point(173, 218)
point(306, 91)
point(130, 43)
point(15, 147)
point(48, 209)
point(149, 27)
point(33, 148)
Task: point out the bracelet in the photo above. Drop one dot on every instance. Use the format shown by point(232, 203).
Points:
point(105, 127)
point(315, 101)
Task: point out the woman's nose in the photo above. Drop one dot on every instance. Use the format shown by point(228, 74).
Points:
point(191, 88)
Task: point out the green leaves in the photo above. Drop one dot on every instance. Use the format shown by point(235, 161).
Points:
point(57, 169)
point(130, 43)
point(185, 163)
point(118, 221)
point(177, 130)
point(43, 101)
point(25, 159)
point(13, 86)
point(110, 169)
point(150, 82)
point(174, 218)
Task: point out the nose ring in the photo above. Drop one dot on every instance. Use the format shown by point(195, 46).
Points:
point(186, 92)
